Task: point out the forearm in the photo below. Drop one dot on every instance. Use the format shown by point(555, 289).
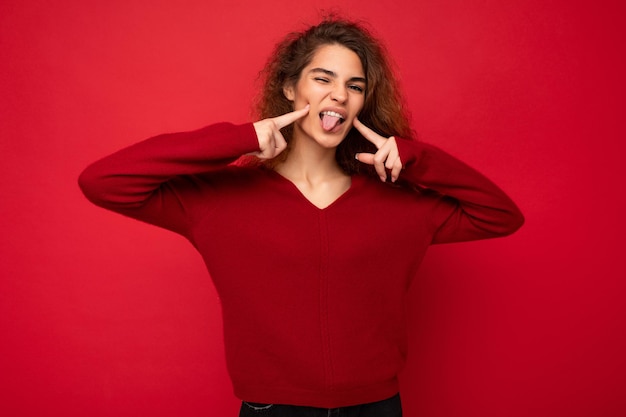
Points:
point(130, 176)
point(477, 208)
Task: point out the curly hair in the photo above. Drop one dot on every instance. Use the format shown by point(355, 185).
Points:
point(383, 110)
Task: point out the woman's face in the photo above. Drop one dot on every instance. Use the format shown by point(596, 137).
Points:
point(333, 84)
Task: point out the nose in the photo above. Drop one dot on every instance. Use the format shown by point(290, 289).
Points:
point(339, 93)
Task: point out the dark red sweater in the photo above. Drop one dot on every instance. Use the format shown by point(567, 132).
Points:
point(312, 299)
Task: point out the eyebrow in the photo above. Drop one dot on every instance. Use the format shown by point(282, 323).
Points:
point(333, 75)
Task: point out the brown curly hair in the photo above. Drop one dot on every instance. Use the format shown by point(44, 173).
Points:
point(383, 110)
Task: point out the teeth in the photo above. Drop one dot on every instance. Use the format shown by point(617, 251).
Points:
point(332, 113)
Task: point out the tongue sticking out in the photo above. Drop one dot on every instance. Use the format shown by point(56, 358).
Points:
point(329, 122)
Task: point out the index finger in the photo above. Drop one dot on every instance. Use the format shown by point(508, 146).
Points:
point(369, 134)
point(288, 118)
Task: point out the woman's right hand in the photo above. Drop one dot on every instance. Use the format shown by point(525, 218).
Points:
point(271, 141)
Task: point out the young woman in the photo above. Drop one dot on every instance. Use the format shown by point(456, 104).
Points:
point(312, 222)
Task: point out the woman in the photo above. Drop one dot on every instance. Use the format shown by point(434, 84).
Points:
point(312, 222)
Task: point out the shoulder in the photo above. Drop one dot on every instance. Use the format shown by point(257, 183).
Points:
point(233, 175)
point(400, 188)
point(401, 195)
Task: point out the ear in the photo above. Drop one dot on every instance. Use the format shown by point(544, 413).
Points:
point(289, 92)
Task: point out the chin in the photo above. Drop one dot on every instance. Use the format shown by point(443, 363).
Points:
point(329, 140)
point(329, 144)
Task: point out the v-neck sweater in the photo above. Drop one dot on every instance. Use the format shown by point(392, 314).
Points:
point(313, 300)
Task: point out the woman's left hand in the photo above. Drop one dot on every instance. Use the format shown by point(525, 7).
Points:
point(387, 157)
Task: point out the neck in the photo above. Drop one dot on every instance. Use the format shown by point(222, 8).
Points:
point(308, 161)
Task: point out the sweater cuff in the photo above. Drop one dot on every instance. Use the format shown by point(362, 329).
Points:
point(236, 140)
point(410, 151)
point(249, 133)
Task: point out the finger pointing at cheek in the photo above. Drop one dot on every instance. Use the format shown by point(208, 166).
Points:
point(271, 141)
point(288, 118)
point(369, 134)
point(386, 158)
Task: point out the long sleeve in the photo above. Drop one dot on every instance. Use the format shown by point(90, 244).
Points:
point(471, 206)
point(148, 180)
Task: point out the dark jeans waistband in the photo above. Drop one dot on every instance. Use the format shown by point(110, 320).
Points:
point(391, 407)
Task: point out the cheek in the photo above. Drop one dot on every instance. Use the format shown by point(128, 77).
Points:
point(360, 107)
point(362, 102)
point(358, 103)
point(310, 92)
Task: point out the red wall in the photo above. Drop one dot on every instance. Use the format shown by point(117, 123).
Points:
point(104, 316)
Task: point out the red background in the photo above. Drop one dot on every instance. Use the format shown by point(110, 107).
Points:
point(103, 316)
